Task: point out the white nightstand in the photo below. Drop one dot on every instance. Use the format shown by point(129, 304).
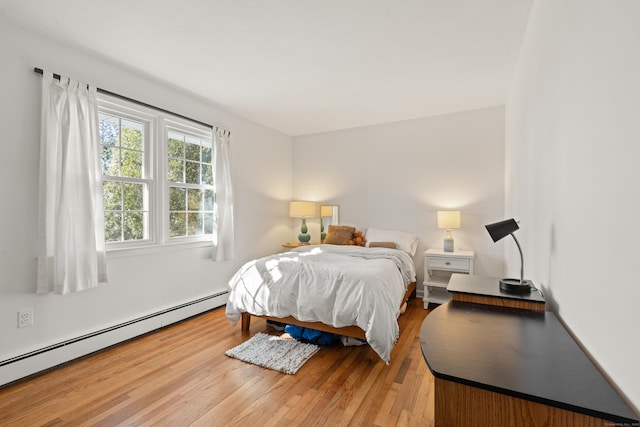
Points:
point(438, 267)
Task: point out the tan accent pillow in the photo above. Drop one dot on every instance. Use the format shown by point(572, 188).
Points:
point(339, 234)
point(389, 245)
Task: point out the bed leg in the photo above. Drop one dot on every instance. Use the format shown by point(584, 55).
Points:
point(246, 321)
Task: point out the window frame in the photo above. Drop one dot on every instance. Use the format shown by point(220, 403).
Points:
point(156, 127)
point(177, 125)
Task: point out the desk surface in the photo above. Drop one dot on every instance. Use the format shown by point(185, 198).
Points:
point(524, 354)
point(487, 286)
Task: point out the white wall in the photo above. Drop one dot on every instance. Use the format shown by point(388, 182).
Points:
point(261, 168)
point(573, 142)
point(397, 175)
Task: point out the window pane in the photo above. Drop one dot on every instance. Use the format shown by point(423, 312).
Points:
point(192, 152)
point(109, 128)
point(177, 199)
point(208, 223)
point(175, 172)
point(112, 195)
point(206, 154)
point(131, 135)
point(110, 159)
point(177, 224)
point(194, 223)
point(113, 226)
point(175, 148)
point(133, 226)
point(208, 200)
point(195, 200)
point(132, 163)
point(133, 197)
point(207, 174)
point(192, 172)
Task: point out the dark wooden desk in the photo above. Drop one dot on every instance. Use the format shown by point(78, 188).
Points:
point(497, 366)
point(486, 290)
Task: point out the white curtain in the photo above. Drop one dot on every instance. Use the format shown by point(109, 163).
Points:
point(224, 248)
point(71, 253)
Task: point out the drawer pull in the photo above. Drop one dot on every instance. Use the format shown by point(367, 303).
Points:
point(448, 263)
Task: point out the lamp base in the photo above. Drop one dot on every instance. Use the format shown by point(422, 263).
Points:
point(448, 245)
point(515, 287)
point(304, 238)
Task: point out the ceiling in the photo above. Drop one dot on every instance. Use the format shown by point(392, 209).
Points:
point(302, 66)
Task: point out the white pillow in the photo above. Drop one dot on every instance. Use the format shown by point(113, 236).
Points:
point(404, 241)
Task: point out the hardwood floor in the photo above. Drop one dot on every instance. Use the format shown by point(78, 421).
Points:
point(179, 376)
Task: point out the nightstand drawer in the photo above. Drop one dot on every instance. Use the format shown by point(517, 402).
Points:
point(448, 263)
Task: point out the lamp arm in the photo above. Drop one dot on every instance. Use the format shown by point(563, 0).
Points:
point(521, 260)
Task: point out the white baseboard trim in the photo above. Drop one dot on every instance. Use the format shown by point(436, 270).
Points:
point(46, 358)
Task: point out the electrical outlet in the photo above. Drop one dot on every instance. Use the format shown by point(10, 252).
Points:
point(25, 317)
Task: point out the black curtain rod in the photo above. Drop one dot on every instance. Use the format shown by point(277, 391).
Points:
point(144, 104)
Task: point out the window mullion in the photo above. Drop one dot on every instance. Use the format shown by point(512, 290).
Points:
point(160, 182)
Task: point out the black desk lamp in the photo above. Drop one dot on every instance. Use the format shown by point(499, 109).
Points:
point(502, 229)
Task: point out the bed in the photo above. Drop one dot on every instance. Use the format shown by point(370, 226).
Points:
point(347, 290)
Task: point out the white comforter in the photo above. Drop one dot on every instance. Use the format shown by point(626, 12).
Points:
point(336, 285)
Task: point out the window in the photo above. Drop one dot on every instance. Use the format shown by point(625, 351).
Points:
point(190, 181)
point(158, 179)
point(125, 177)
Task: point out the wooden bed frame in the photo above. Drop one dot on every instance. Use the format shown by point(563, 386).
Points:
point(349, 331)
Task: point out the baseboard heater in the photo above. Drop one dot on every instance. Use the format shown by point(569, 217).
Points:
point(137, 325)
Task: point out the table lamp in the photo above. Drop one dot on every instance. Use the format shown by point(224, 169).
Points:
point(448, 220)
point(498, 231)
point(304, 210)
